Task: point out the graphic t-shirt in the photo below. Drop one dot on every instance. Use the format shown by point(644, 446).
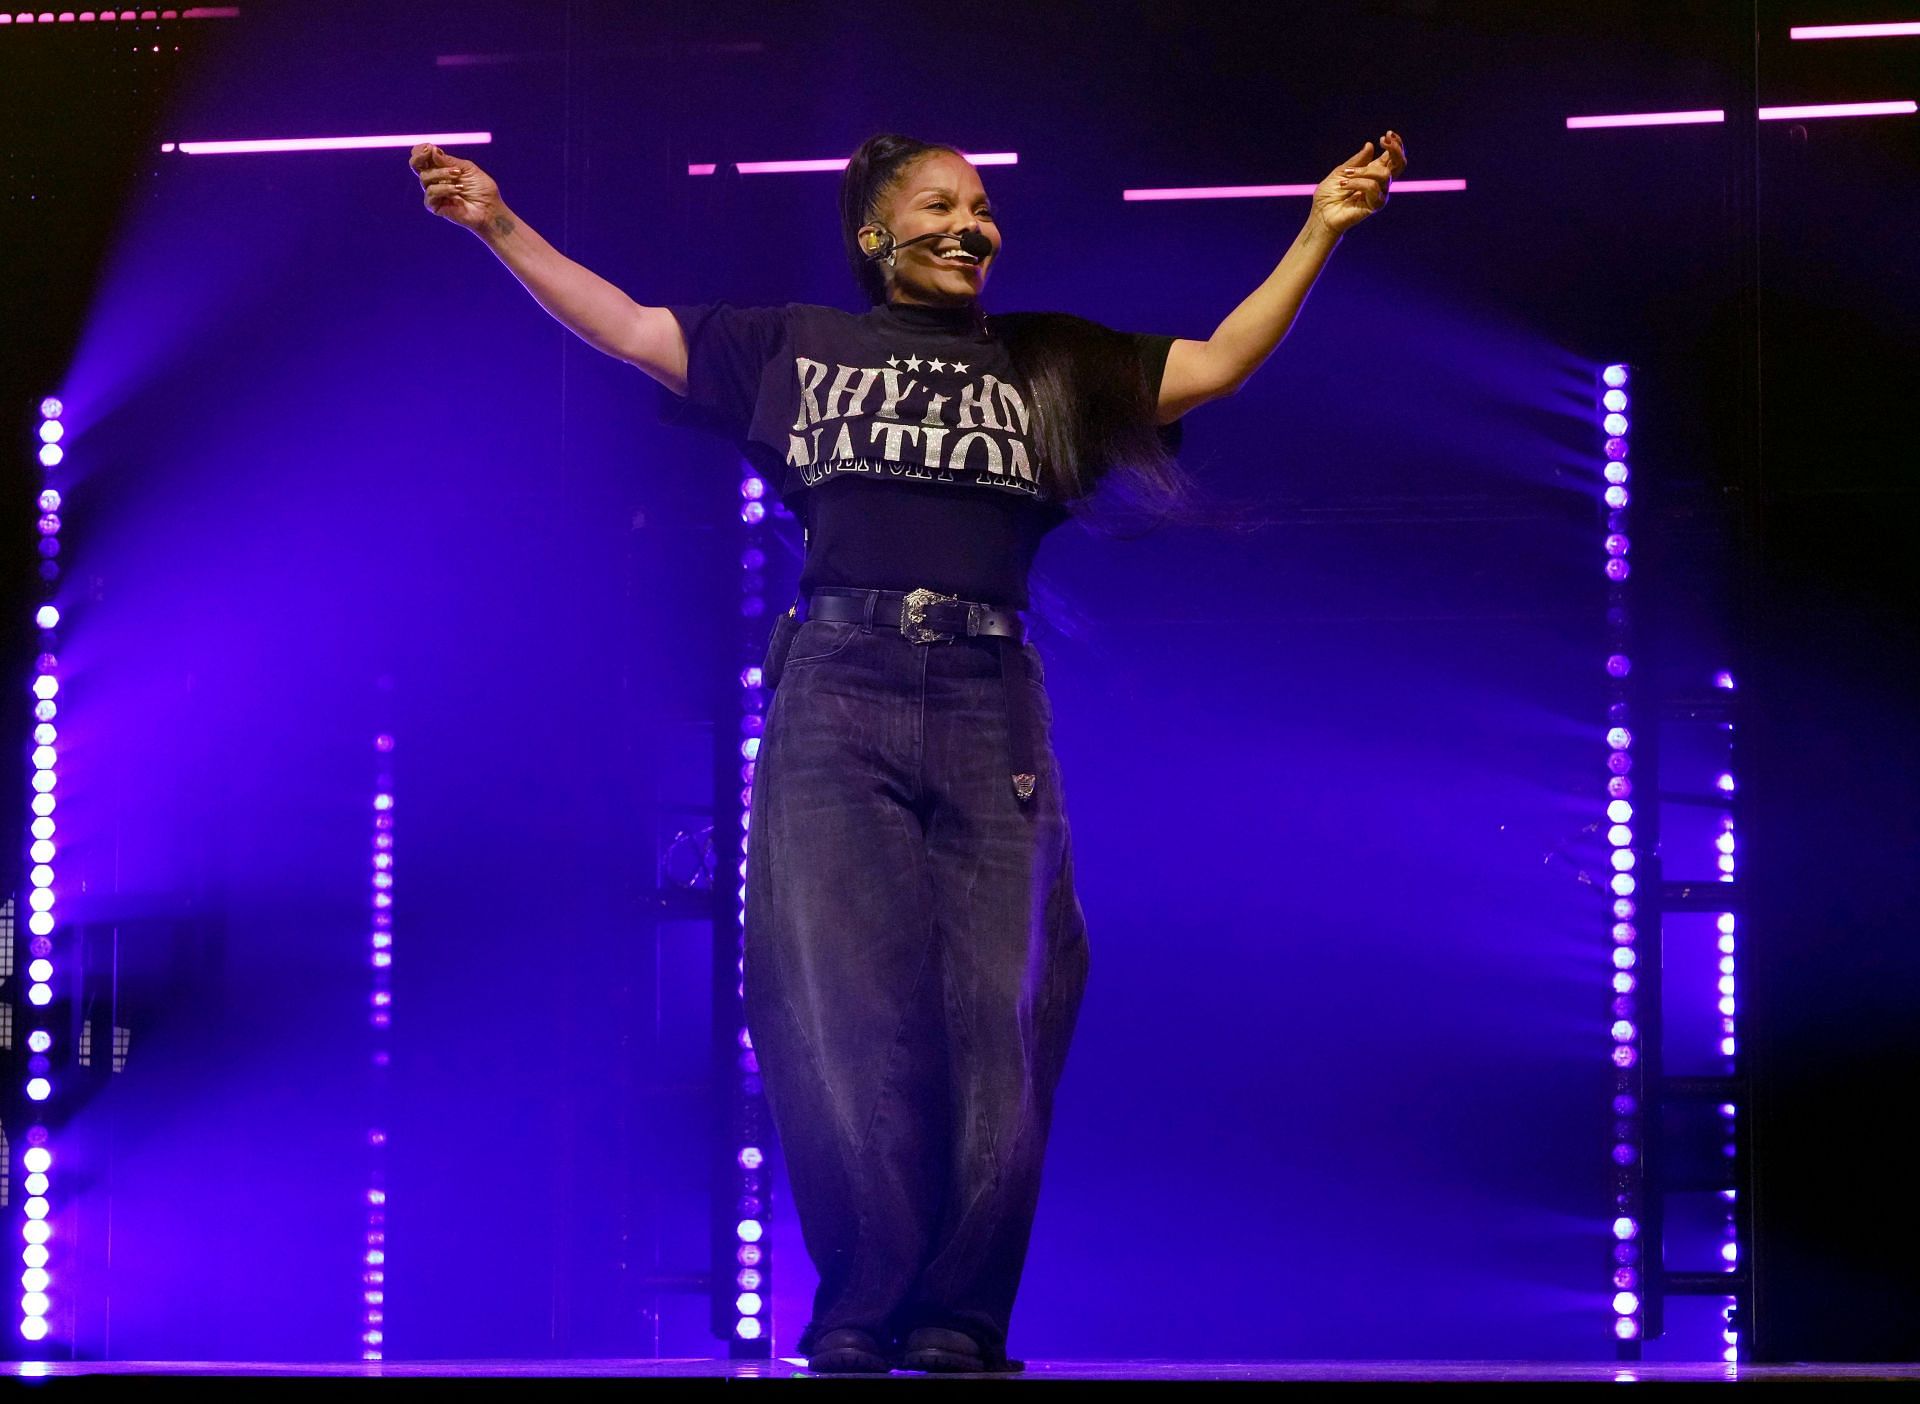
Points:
point(901, 437)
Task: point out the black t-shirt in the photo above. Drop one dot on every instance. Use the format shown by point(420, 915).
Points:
point(900, 437)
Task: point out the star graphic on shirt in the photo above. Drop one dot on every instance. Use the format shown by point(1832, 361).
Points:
point(893, 360)
point(913, 363)
point(959, 366)
point(936, 365)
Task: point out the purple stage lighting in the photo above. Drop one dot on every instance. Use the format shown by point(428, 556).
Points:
point(1726, 1007)
point(380, 1021)
point(746, 1318)
point(43, 923)
point(1627, 1153)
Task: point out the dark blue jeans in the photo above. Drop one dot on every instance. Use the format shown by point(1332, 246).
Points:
point(915, 958)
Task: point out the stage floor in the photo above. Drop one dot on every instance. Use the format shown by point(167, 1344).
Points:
point(1168, 1371)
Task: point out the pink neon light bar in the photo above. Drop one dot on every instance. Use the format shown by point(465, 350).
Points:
point(1648, 119)
point(108, 16)
point(1854, 31)
point(1766, 114)
point(835, 163)
point(1257, 192)
point(361, 143)
point(1836, 109)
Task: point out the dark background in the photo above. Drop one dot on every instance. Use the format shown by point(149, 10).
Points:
point(1339, 1089)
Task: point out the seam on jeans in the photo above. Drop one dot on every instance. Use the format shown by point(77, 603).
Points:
point(974, 870)
point(893, 1049)
point(806, 1042)
point(966, 1229)
point(833, 652)
point(779, 970)
point(850, 1163)
point(857, 1165)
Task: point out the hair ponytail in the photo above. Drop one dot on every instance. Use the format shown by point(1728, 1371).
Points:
point(872, 172)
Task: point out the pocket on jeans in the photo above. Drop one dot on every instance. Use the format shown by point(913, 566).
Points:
point(820, 639)
point(785, 626)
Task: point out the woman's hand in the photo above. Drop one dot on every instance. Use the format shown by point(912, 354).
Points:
point(456, 188)
point(1355, 190)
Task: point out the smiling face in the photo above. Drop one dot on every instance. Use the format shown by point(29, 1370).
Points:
point(939, 194)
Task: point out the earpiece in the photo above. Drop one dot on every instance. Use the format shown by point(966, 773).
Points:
point(876, 242)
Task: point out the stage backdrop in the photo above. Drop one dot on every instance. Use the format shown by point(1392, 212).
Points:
point(1340, 1083)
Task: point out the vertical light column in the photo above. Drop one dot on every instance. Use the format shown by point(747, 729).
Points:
point(380, 957)
point(36, 1159)
point(1629, 1081)
point(1730, 1250)
point(747, 1292)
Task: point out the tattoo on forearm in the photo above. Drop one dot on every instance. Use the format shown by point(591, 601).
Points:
point(502, 225)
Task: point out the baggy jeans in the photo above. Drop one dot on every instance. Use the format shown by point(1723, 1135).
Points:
point(915, 956)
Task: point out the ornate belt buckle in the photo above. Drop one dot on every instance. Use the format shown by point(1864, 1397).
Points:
point(913, 616)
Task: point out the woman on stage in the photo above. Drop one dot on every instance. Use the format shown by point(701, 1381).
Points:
point(915, 950)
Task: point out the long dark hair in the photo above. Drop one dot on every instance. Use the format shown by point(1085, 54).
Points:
point(1093, 418)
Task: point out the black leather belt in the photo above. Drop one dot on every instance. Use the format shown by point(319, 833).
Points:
point(925, 616)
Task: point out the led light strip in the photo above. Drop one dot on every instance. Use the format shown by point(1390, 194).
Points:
point(108, 16)
point(1795, 113)
point(341, 143)
point(831, 163)
point(750, 1288)
point(1629, 1142)
point(373, 1289)
point(1262, 192)
point(37, 1160)
point(1730, 1251)
point(1888, 30)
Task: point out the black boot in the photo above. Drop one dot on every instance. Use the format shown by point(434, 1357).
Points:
point(847, 1351)
point(940, 1351)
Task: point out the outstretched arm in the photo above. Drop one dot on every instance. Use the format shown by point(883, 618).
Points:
point(1199, 371)
point(583, 302)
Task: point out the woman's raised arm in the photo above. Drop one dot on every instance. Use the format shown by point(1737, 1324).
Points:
point(586, 304)
point(1198, 371)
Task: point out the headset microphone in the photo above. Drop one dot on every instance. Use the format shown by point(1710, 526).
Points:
point(882, 245)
